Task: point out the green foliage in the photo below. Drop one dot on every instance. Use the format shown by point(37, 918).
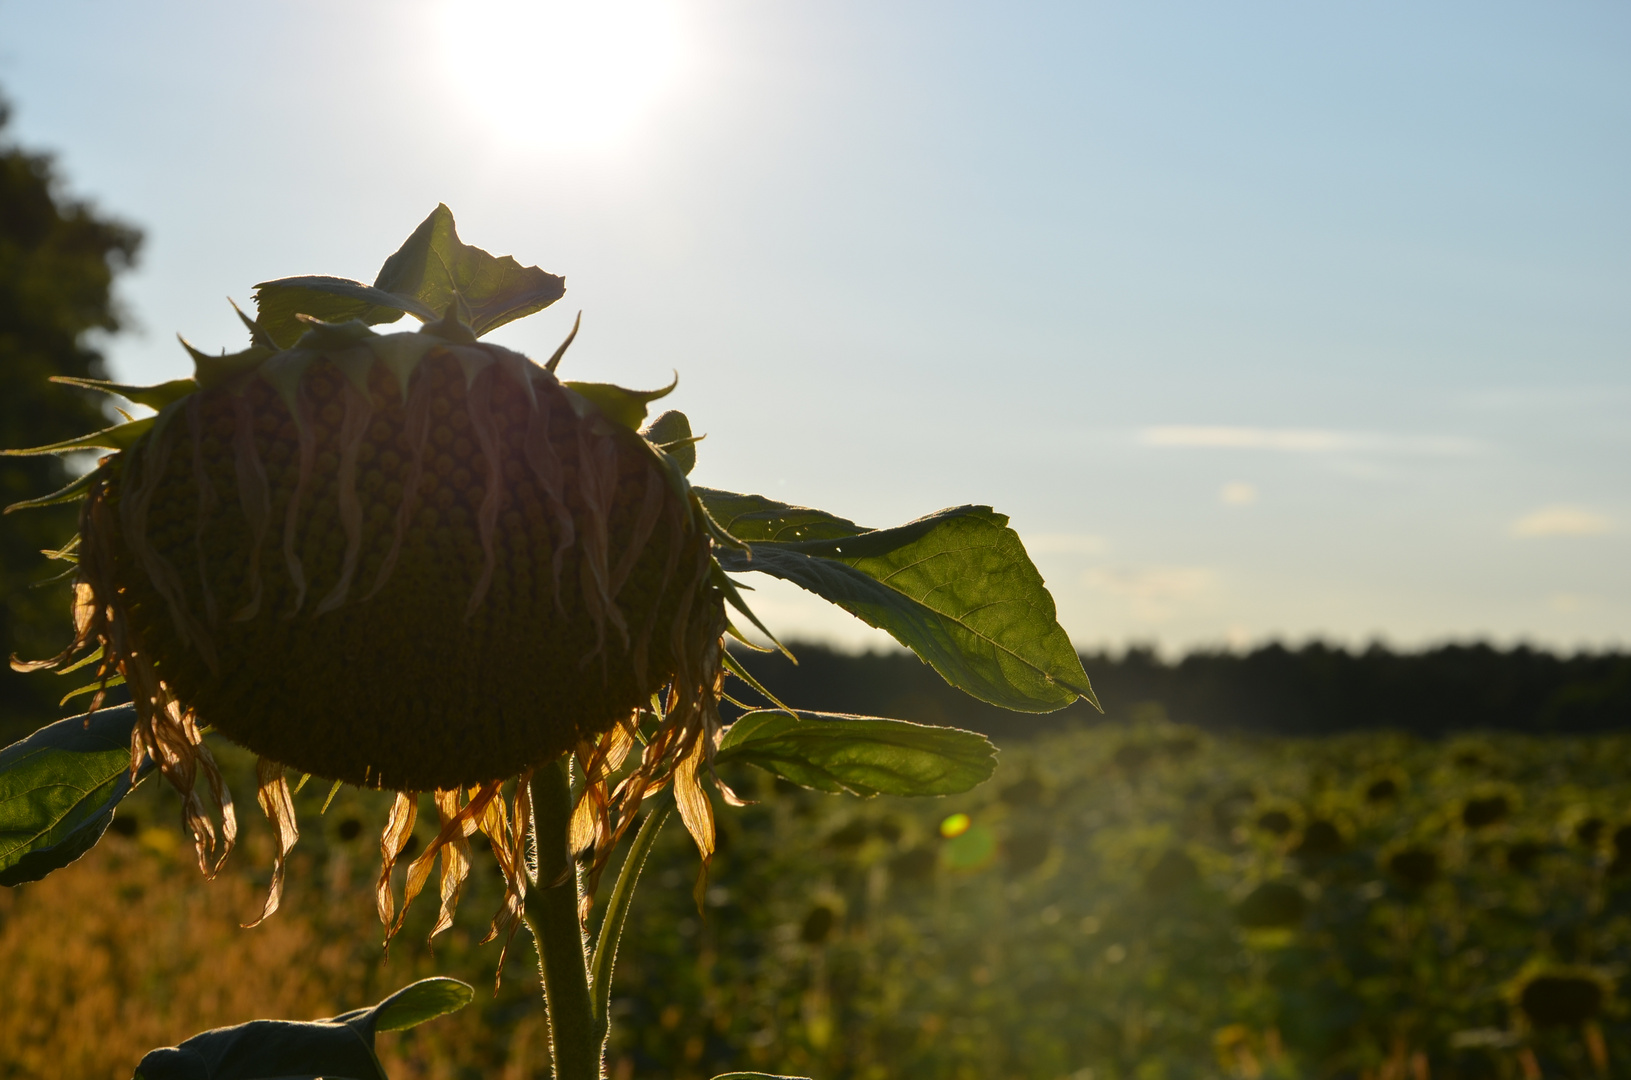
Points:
point(862, 755)
point(59, 789)
point(956, 587)
point(433, 273)
point(59, 258)
point(412, 1005)
point(337, 1049)
point(846, 939)
point(279, 305)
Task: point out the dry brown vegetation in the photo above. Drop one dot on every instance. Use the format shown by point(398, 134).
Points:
point(130, 949)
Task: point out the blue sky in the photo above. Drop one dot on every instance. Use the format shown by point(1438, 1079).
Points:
point(1259, 319)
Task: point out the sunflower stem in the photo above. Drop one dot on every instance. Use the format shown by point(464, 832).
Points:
point(617, 913)
point(552, 916)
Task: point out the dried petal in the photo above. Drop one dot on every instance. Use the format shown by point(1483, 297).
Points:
point(277, 803)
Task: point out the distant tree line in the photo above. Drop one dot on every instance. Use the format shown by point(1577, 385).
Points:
point(1316, 689)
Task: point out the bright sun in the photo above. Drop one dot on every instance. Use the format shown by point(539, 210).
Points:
point(559, 76)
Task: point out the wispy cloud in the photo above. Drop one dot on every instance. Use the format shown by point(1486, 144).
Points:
point(1153, 592)
point(1561, 521)
point(1301, 440)
point(1238, 493)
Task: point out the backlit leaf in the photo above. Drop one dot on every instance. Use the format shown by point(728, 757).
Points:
point(434, 264)
point(422, 279)
point(956, 587)
point(863, 755)
point(279, 305)
point(413, 1005)
point(58, 791)
point(755, 518)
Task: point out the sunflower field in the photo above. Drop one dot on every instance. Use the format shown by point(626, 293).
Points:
point(1141, 900)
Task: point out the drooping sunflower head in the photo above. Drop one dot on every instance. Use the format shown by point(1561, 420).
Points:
point(412, 561)
point(418, 578)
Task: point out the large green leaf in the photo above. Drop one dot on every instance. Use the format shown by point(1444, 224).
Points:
point(434, 265)
point(863, 755)
point(432, 271)
point(58, 791)
point(337, 1049)
point(956, 587)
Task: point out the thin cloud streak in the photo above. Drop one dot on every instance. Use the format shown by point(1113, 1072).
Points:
point(1303, 440)
point(1561, 521)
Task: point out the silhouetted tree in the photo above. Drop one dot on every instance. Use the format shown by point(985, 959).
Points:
point(58, 262)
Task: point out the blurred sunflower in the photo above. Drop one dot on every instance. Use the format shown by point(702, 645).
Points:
point(410, 561)
point(1557, 996)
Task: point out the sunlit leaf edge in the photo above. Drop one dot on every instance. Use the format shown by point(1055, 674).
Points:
point(67, 832)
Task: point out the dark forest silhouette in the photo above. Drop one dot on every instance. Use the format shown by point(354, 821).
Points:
point(1316, 689)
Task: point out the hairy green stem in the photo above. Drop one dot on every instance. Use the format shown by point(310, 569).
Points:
point(617, 913)
point(552, 916)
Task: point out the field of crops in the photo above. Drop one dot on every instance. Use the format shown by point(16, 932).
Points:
point(1142, 901)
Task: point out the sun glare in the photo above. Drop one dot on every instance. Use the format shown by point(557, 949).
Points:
point(561, 76)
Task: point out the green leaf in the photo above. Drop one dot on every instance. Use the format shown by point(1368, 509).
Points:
point(279, 305)
point(956, 587)
point(434, 265)
point(433, 273)
point(58, 791)
point(756, 518)
point(413, 1005)
point(337, 1049)
point(863, 755)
